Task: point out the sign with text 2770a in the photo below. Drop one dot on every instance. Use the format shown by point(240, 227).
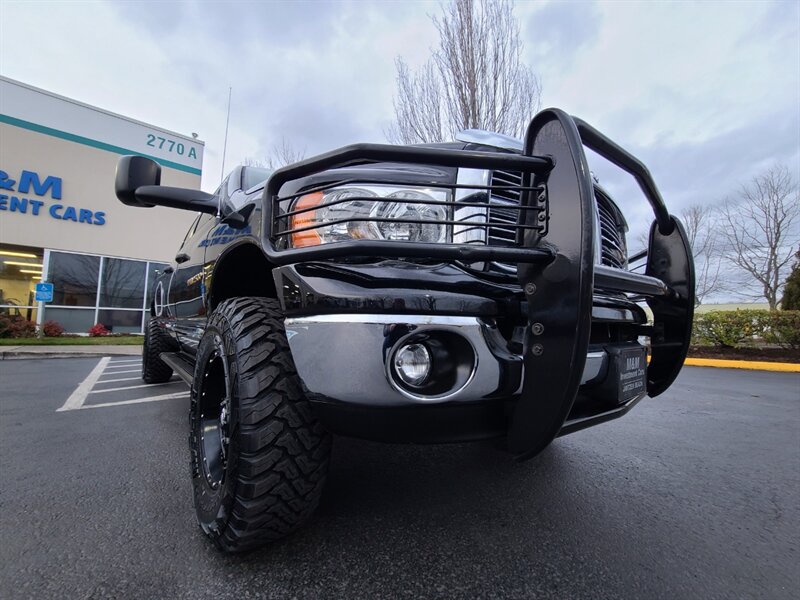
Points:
point(44, 292)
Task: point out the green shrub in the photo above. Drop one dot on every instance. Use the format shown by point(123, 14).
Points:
point(728, 328)
point(783, 328)
point(737, 328)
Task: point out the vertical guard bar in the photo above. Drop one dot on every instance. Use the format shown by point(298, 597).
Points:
point(559, 295)
point(669, 258)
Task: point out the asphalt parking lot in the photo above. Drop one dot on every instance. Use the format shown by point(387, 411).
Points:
point(695, 494)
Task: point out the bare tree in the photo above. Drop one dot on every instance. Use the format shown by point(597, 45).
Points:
point(701, 229)
point(417, 106)
point(281, 154)
point(760, 229)
point(475, 79)
point(285, 154)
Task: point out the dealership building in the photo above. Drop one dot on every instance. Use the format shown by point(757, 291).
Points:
point(60, 221)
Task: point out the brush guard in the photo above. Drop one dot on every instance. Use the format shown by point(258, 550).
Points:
point(554, 253)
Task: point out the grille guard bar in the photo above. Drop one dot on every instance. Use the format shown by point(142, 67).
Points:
point(277, 226)
point(556, 261)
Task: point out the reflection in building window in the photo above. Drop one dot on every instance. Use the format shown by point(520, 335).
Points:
point(121, 321)
point(73, 320)
point(74, 278)
point(122, 283)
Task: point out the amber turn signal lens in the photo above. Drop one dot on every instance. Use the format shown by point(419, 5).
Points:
point(310, 237)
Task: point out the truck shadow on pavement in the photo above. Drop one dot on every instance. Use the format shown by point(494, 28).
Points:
point(382, 498)
point(439, 521)
point(390, 481)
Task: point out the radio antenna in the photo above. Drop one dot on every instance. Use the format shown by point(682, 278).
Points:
point(225, 144)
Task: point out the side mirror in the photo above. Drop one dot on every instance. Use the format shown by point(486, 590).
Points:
point(138, 182)
point(238, 219)
point(132, 173)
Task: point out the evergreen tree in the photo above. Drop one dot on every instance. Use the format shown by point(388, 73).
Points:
point(791, 291)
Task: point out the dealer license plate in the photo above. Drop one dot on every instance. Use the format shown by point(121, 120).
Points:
point(632, 369)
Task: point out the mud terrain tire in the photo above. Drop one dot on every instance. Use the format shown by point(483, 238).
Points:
point(156, 341)
point(259, 457)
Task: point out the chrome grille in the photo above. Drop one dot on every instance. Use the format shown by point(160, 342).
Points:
point(613, 251)
point(500, 234)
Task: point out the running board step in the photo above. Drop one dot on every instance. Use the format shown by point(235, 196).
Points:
point(182, 366)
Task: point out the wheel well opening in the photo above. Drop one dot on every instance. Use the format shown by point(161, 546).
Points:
point(243, 271)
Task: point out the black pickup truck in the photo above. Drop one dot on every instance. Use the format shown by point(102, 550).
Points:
point(437, 293)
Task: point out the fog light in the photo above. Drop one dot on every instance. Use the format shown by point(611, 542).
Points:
point(412, 363)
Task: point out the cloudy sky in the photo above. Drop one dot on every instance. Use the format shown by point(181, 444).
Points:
point(706, 93)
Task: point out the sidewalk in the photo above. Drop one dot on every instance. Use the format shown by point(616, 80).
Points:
point(11, 352)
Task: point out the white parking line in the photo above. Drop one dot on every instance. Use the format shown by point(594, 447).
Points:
point(78, 397)
point(104, 367)
point(120, 379)
point(125, 362)
point(126, 366)
point(131, 387)
point(137, 400)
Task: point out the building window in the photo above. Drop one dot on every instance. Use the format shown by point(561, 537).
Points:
point(20, 271)
point(91, 289)
point(121, 321)
point(73, 320)
point(74, 278)
point(122, 283)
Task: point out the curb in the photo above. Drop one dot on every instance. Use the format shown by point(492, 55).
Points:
point(24, 355)
point(752, 365)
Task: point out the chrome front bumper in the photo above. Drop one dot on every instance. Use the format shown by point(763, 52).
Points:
point(345, 357)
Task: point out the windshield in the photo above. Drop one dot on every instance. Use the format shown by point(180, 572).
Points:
point(252, 176)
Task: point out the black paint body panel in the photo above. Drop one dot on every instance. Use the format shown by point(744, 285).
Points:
point(555, 289)
point(389, 287)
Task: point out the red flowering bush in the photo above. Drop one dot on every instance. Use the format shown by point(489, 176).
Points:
point(16, 326)
point(52, 329)
point(97, 330)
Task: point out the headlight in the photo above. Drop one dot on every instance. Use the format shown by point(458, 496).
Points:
point(369, 213)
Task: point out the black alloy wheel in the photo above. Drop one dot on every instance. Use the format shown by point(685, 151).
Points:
point(214, 405)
